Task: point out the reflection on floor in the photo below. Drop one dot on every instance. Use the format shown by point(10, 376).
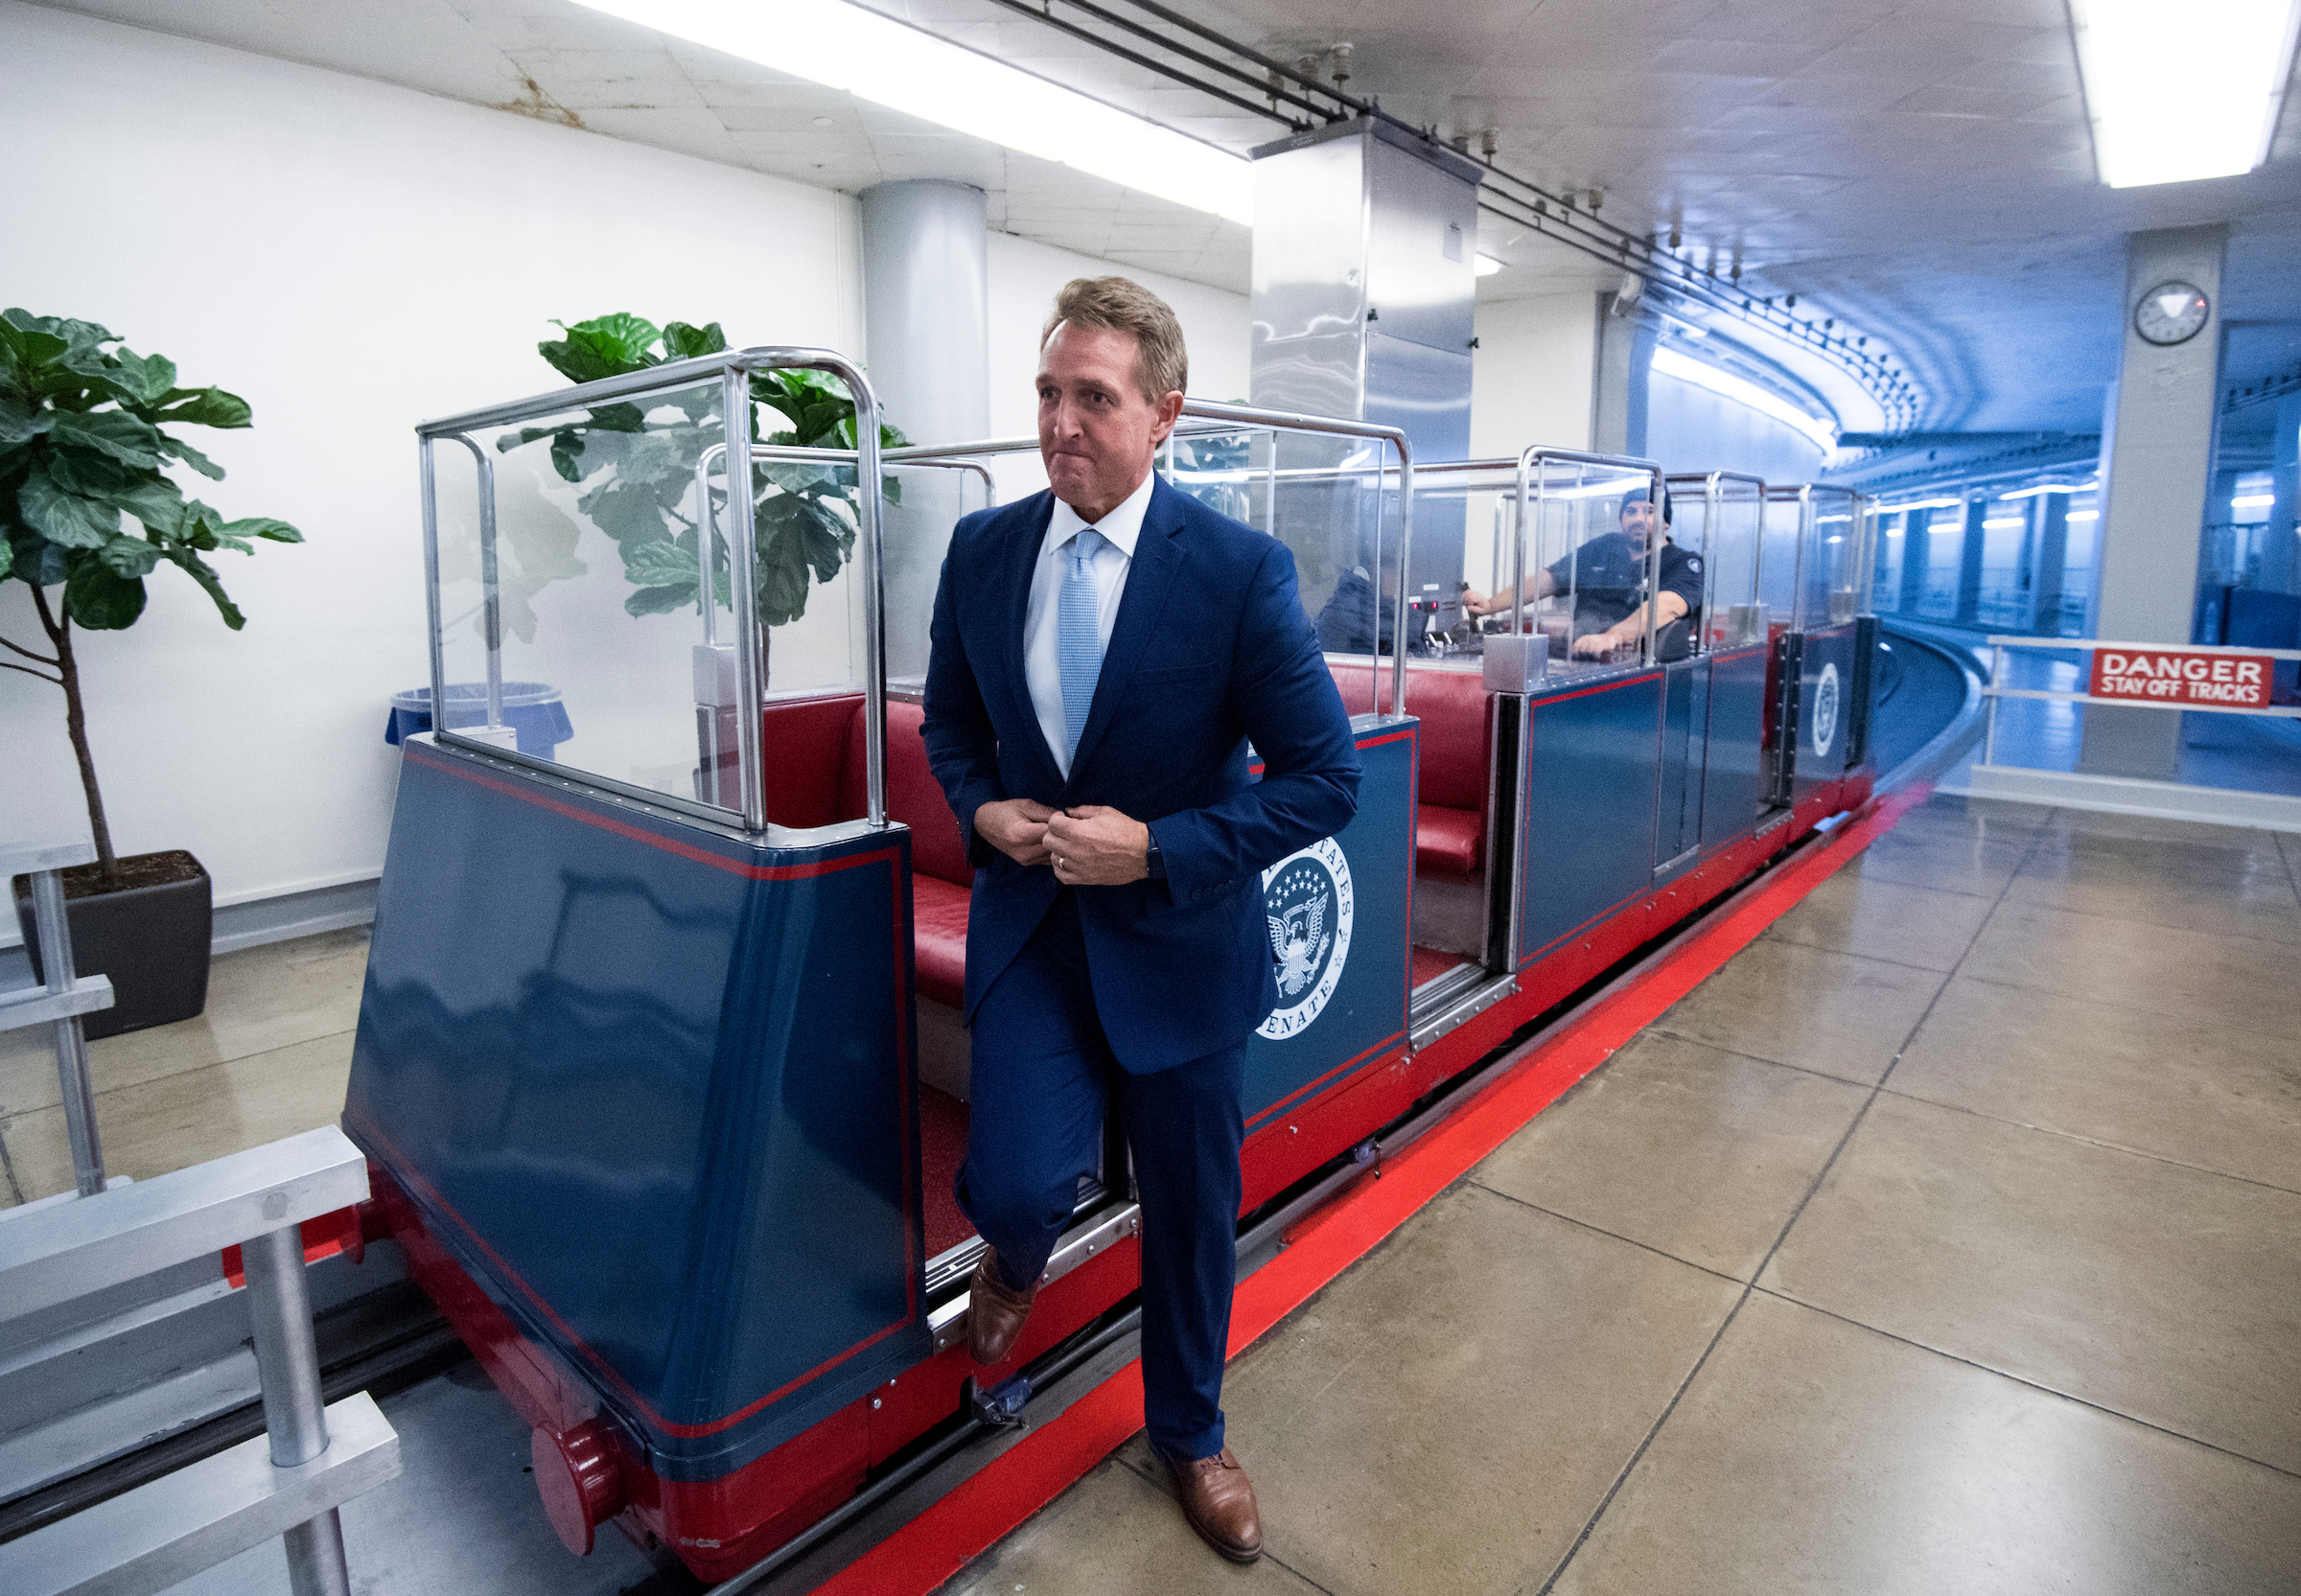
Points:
point(268, 1059)
point(1947, 1239)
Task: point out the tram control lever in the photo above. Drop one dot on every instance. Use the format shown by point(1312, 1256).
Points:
point(1001, 1407)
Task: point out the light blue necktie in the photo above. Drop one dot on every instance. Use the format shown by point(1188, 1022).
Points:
point(1078, 633)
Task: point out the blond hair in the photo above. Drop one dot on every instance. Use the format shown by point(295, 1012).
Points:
point(1161, 364)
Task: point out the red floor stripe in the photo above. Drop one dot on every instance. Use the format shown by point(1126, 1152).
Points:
point(978, 1514)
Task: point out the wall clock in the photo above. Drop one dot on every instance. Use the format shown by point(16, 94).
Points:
point(2172, 312)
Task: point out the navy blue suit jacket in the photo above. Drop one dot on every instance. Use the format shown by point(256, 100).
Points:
point(1210, 649)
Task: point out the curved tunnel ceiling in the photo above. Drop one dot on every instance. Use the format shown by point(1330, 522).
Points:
point(1922, 172)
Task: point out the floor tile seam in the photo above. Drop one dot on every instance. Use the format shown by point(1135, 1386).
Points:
point(2284, 1038)
point(1621, 1477)
point(2093, 1141)
point(2033, 1385)
point(2159, 925)
point(1923, 886)
point(202, 1069)
point(1660, 1030)
point(1614, 1235)
point(1645, 1444)
point(1773, 934)
point(7, 1170)
point(1323, 1590)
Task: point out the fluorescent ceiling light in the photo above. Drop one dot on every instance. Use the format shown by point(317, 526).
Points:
point(1920, 504)
point(877, 58)
point(2177, 93)
point(2085, 515)
point(2052, 488)
point(2002, 522)
point(1488, 266)
point(1740, 389)
point(2252, 502)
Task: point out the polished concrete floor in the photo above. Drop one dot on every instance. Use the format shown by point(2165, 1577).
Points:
point(1947, 1239)
point(268, 1059)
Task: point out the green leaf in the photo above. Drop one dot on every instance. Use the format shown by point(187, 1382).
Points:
point(30, 347)
point(116, 432)
point(154, 500)
point(261, 526)
point(627, 512)
point(152, 375)
point(660, 564)
point(205, 407)
point(64, 517)
point(86, 472)
point(129, 557)
point(651, 457)
point(683, 341)
point(21, 416)
point(192, 457)
point(202, 573)
point(34, 558)
point(605, 346)
point(101, 599)
point(659, 601)
point(8, 556)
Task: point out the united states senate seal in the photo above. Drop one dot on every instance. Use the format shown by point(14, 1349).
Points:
point(1308, 901)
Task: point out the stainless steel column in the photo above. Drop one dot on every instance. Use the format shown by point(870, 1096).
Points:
point(2157, 446)
point(279, 1307)
point(927, 338)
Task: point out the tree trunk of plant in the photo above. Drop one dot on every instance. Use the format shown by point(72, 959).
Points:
point(76, 724)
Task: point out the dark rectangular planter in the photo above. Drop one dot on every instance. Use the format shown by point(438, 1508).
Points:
point(152, 941)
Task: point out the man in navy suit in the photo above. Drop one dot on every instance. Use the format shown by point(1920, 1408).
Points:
point(1104, 654)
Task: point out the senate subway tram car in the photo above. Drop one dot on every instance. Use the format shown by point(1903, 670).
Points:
point(659, 1067)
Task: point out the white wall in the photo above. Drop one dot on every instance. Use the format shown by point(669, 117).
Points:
point(351, 258)
point(1692, 428)
point(1532, 373)
point(1024, 277)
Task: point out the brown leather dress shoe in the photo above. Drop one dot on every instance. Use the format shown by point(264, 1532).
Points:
point(1218, 1498)
point(995, 1311)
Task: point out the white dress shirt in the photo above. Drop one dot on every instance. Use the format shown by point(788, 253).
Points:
point(1042, 664)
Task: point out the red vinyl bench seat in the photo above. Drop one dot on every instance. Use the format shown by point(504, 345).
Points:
point(1449, 818)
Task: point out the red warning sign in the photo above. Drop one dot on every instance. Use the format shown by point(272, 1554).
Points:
point(2175, 677)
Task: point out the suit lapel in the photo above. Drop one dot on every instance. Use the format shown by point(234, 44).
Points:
point(1157, 557)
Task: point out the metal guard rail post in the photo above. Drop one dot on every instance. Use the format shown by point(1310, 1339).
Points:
point(287, 1483)
point(1248, 416)
point(1998, 643)
point(1527, 461)
point(61, 999)
point(733, 369)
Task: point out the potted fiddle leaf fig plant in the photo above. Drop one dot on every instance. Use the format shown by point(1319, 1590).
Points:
point(636, 470)
point(86, 443)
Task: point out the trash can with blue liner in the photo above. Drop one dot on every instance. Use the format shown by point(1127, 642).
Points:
point(532, 709)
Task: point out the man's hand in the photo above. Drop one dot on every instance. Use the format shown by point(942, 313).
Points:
point(1095, 846)
point(1017, 828)
point(1483, 603)
point(1598, 643)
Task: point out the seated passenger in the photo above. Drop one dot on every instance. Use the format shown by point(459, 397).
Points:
point(1358, 620)
point(1608, 575)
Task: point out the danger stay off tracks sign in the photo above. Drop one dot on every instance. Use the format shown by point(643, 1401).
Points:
point(2177, 677)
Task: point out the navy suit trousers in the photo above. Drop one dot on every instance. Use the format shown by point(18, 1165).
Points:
point(1043, 1075)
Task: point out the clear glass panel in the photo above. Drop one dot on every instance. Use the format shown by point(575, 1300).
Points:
point(1778, 554)
point(1889, 533)
point(1831, 567)
point(593, 548)
point(1333, 502)
point(1590, 567)
point(1722, 520)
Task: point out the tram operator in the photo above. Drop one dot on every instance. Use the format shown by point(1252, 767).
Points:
point(1609, 579)
point(1103, 654)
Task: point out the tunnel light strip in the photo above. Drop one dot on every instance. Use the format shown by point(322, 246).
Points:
point(879, 59)
point(1670, 362)
point(2182, 93)
point(2252, 502)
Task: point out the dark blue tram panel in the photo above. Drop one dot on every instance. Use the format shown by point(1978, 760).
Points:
point(651, 1085)
point(1340, 915)
point(1590, 776)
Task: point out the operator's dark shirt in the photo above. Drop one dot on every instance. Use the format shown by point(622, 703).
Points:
point(1608, 575)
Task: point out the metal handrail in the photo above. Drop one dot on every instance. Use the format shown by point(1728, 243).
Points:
point(1713, 499)
point(733, 369)
point(1527, 461)
point(1284, 421)
point(1998, 643)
